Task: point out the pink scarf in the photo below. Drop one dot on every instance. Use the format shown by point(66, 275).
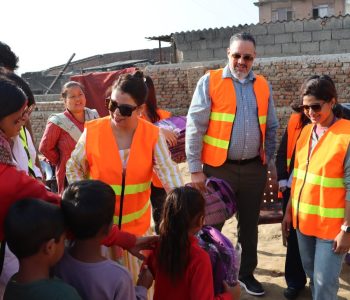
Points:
point(5, 150)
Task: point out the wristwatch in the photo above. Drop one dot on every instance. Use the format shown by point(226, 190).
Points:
point(345, 228)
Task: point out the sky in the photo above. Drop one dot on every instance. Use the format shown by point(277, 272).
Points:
point(45, 33)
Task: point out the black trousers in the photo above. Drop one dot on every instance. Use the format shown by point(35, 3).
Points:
point(294, 272)
point(248, 181)
point(158, 196)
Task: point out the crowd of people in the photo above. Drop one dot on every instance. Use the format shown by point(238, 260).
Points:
point(94, 240)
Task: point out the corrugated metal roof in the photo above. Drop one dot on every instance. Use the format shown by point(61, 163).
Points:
point(116, 65)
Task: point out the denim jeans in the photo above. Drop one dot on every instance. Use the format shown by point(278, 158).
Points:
point(321, 265)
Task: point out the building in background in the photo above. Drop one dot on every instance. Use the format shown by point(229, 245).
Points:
point(288, 10)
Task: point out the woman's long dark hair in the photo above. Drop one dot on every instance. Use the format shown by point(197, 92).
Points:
point(182, 208)
point(151, 101)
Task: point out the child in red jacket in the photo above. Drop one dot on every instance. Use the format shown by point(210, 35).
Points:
point(181, 269)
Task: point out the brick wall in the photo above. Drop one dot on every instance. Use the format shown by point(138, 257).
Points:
point(175, 83)
point(299, 37)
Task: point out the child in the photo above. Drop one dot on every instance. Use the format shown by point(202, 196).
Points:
point(182, 270)
point(88, 209)
point(34, 230)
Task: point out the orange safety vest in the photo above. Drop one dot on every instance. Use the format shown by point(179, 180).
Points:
point(163, 114)
point(294, 128)
point(223, 109)
point(318, 191)
point(105, 164)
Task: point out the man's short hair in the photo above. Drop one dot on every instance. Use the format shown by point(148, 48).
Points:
point(88, 206)
point(8, 58)
point(242, 36)
point(30, 223)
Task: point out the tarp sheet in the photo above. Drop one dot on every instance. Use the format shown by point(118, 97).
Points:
point(96, 84)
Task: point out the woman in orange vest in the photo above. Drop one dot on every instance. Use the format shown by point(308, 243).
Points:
point(319, 206)
point(122, 150)
point(154, 114)
point(294, 273)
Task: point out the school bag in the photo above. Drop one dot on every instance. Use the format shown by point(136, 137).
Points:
point(220, 201)
point(224, 257)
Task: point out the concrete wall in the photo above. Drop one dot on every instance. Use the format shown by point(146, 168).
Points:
point(302, 9)
point(175, 83)
point(301, 37)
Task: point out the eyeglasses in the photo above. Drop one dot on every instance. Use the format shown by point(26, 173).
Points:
point(246, 57)
point(124, 109)
point(315, 107)
point(28, 111)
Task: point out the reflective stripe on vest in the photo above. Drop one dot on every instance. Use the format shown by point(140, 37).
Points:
point(223, 112)
point(127, 218)
point(105, 164)
point(318, 210)
point(318, 179)
point(318, 191)
point(131, 189)
point(24, 141)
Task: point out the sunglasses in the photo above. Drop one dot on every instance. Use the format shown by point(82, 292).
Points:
point(315, 107)
point(246, 57)
point(124, 109)
point(28, 110)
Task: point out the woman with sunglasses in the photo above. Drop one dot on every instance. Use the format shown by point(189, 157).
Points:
point(153, 114)
point(63, 130)
point(122, 150)
point(319, 206)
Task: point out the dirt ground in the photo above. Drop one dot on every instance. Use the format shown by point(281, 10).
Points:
point(271, 257)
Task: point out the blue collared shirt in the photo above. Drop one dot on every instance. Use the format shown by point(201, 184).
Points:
point(245, 136)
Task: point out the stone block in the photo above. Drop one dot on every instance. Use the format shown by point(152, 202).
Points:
point(206, 54)
point(302, 37)
point(346, 22)
point(275, 28)
point(345, 45)
point(220, 53)
point(265, 40)
point(214, 43)
point(270, 50)
point(340, 34)
point(310, 48)
point(323, 35)
point(291, 48)
point(259, 51)
point(312, 25)
point(283, 38)
point(294, 26)
point(183, 46)
point(199, 45)
point(190, 55)
point(327, 47)
point(258, 29)
point(333, 23)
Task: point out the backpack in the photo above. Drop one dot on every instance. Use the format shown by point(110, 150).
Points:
point(220, 201)
point(225, 258)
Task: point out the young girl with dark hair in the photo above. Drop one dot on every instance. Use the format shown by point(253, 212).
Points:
point(319, 206)
point(153, 114)
point(181, 269)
